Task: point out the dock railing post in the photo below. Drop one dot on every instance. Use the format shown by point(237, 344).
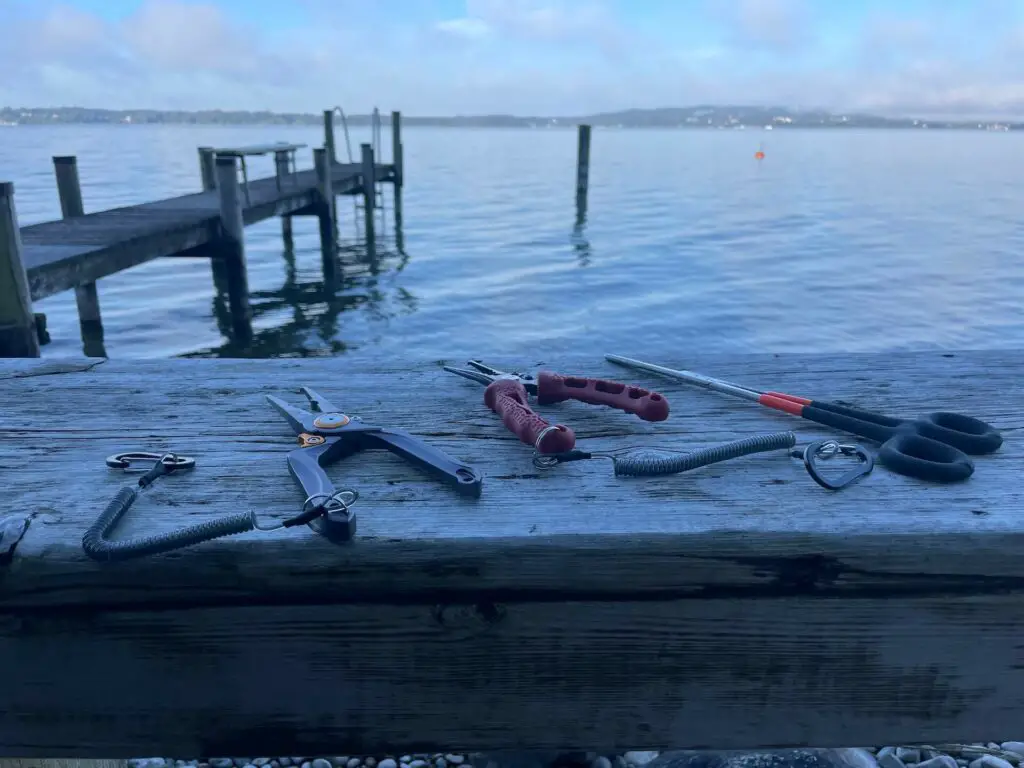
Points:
point(282, 170)
point(232, 246)
point(18, 337)
point(582, 172)
point(328, 253)
point(368, 173)
point(398, 161)
point(69, 189)
point(332, 157)
point(207, 169)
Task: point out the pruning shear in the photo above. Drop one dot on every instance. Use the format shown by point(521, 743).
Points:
point(327, 435)
point(507, 394)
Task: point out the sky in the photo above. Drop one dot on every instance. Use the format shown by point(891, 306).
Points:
point(522, 57)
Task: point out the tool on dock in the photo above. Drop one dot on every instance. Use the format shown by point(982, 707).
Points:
point(654, 462)
point(934, 447)
point(97, 546)
point(326, 435)
point(507, 395)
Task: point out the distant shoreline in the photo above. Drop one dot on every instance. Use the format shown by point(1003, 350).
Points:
point(681, 118)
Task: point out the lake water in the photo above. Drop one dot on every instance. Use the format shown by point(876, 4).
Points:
point(836, 241)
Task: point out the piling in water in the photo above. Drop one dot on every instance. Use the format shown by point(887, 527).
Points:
point(230, 250)
point(18, 336)
point(582, 172)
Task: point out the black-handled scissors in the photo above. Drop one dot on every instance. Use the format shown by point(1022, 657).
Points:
point(934, 447)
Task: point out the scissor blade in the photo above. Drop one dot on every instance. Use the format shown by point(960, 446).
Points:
point(318, 402)
point(299, 419)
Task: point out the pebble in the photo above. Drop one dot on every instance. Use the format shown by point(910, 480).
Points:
point(259, 762)
point(601, 762)
point(1013, 746)
point(371, 762)
point(889, 759)
point(354, 762)
point(991, 761)
point(640, 758)
point(857, 758)
point(455, 759)
point(908, 754)
point(387, 763)
point(942, 761)
point(418, 763)
point(439, 762)
point(222, 762)
point(320, 762)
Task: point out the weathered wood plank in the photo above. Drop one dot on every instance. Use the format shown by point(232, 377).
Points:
point(737, 606)
point(60, 255)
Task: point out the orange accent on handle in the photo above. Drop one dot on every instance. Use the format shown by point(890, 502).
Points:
point(787, 403)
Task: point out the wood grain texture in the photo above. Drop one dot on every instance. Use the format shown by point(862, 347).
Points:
point(735, 606)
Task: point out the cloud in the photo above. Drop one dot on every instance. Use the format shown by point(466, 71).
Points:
point(555, 57)
point(468, 28)
point(774, 24)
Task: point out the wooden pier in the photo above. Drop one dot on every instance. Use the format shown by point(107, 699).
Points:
point(75, 252)
point(737, 606)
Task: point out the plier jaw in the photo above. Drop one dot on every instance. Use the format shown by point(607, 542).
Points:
point(486, 375)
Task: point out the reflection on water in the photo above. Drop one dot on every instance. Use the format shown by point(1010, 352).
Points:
point(303, 318)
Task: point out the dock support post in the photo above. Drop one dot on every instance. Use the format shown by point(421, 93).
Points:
point(17, 323)
point(398, 160)
point(283, 171)
point(328, 254)
point(207, 169)
point(232, 246)
point(369, 198)
point(582, 172)
point(90, 322)
point(332, 157)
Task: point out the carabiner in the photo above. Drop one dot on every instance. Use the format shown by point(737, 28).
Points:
point(827, 449)
point(171, 461)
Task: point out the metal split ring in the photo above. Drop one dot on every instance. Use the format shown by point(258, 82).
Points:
point(338, 497)
point(543, 433)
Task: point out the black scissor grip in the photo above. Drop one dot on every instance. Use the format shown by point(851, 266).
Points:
point(970, 435)
point(912, 454)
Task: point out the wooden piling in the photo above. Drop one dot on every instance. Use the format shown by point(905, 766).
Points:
point(283, 171)
point(582, 172)
point(90, 321)
point(231, 251)
point(207, 169)
point(328, 245)
point(397, 159)
point(369, 197)
point(332, 156)
point(17, 323)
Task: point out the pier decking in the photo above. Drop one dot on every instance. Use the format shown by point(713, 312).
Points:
point(40, 260)
point(60, 255)
point(732, 607)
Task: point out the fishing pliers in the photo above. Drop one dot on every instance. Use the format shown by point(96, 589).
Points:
point(507, 393)
point(327, 435)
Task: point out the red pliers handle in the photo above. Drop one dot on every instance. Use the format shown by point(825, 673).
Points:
point(507, 395)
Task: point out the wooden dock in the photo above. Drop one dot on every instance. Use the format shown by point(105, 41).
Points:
point(733, 607)
point(40, 260)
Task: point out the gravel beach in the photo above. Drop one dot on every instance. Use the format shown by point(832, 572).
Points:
point(993, 754)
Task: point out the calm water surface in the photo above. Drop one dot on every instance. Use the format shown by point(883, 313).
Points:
point(838, 240)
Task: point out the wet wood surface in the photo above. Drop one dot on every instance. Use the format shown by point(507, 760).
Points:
point(59, 255)
point(731, 607)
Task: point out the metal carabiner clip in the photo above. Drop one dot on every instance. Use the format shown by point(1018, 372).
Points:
point(826, 449)
point(171, 461)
